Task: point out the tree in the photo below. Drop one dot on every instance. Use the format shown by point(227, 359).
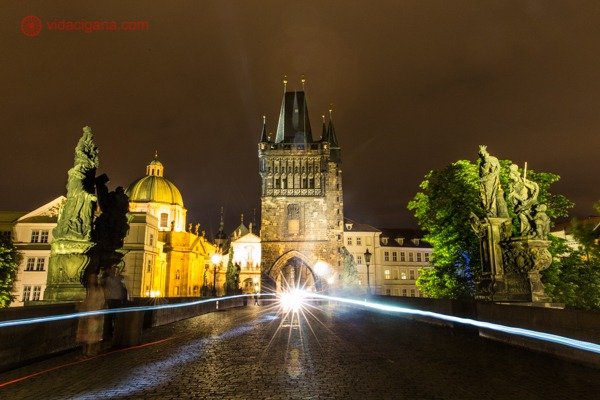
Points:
point(349, 275)
point(574, 276)
point(9, 264)
point(232, 276)
point(442, 208)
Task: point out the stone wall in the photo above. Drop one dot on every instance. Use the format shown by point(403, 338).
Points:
point(20, 345)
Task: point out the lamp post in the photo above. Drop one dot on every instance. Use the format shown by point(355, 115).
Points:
point(368, 261)
point(216, 260)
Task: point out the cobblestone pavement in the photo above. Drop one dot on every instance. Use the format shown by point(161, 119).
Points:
point(336, 353)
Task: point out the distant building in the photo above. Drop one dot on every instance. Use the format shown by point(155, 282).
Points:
point(302, 206)
point(32, 233)
point(163, 259)
point(397, 255)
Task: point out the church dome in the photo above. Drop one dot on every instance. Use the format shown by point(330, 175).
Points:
point(154, 187)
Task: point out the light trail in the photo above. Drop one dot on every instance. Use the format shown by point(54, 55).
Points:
point(548, 337)
point(105, 311)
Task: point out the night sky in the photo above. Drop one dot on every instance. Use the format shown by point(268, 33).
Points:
point(415, 85)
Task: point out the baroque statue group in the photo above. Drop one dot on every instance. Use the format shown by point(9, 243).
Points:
point(513, 251)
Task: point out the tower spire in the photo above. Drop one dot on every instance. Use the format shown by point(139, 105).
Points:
point(285, 83)
point(264, 137)
point(303, 81)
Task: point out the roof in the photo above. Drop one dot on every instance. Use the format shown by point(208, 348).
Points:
point(407, 234)
point(154, 189)
point(10, 216)
point(294, 123)
point(353, 226)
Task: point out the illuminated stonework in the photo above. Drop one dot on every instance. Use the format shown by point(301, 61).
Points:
point(301, 198)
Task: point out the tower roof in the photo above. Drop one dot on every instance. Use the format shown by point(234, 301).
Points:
point(294, 124)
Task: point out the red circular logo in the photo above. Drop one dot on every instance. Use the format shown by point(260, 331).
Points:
point(31, 25)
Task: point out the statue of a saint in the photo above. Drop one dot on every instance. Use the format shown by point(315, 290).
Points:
point(76, 215)
point(542, 222)
point(492, 195)
point(523, 195)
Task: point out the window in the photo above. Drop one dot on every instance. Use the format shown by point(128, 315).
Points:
point(349, 241)
point(411, 274)
point(177, 275)
point(384, 240)
point(40, 264)
point(395, 274)
point(164, 220)
point(410, 257)
point(35, 264)
point(35, 238)
point(426, 257)
point(387, 274)
point(386, 256)
point(26, 293)
point(151, 239)
point(149, 266)
point(418, 257)
point(412, 292)
point(394, 256)
point(359, 259)
point(403, 292)
point(388, 292)
point(403, 275)
point(359, 241)
point(402, 256)
point(43, 236)
point(37, 292)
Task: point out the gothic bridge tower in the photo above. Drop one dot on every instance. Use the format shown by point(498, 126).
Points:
point(302, 209)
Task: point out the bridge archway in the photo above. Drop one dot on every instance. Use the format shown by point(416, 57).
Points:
point(294, 269)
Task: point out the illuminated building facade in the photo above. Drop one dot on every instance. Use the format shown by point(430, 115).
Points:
point(163, 258)
point(302, 207)
point(397, 255)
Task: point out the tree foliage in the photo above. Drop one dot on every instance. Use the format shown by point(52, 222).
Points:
point(9, 264)
point(232, 275)
point(442, 208)
point(574, 276)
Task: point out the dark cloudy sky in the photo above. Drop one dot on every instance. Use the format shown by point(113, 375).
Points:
point(415, 85)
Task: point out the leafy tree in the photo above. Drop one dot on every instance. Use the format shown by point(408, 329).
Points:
point(232, 275)
point(9, 264)
point(442, 208)
point(574, 276)
point(349, 275)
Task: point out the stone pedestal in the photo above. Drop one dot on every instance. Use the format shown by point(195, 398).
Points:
point(525, 258)
point(492, 278)
point(68, 259)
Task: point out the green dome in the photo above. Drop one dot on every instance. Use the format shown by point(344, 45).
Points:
point(155, 189)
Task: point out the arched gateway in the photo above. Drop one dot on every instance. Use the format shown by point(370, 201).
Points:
point(302, 208)
point(294, 270)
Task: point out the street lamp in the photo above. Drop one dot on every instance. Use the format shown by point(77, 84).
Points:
point(216, 260)
point(367, 261)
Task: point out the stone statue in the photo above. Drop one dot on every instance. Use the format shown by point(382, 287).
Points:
point(523, 195)
point(492, 195)
point(76, 215)
point(542, 222)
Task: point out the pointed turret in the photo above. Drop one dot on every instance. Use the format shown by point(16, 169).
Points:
point(324, 131)
point(264, 137)
point(221, 238)
point(332, 139)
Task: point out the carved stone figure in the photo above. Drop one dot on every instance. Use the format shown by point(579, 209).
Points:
point(542, 222)
point(492, 195)
point(523, 195)
point(76, 215)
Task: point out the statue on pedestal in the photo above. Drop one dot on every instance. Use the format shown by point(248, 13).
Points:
point(492, 195)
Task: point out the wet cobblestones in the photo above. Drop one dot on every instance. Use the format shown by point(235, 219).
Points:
point(332, 353)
